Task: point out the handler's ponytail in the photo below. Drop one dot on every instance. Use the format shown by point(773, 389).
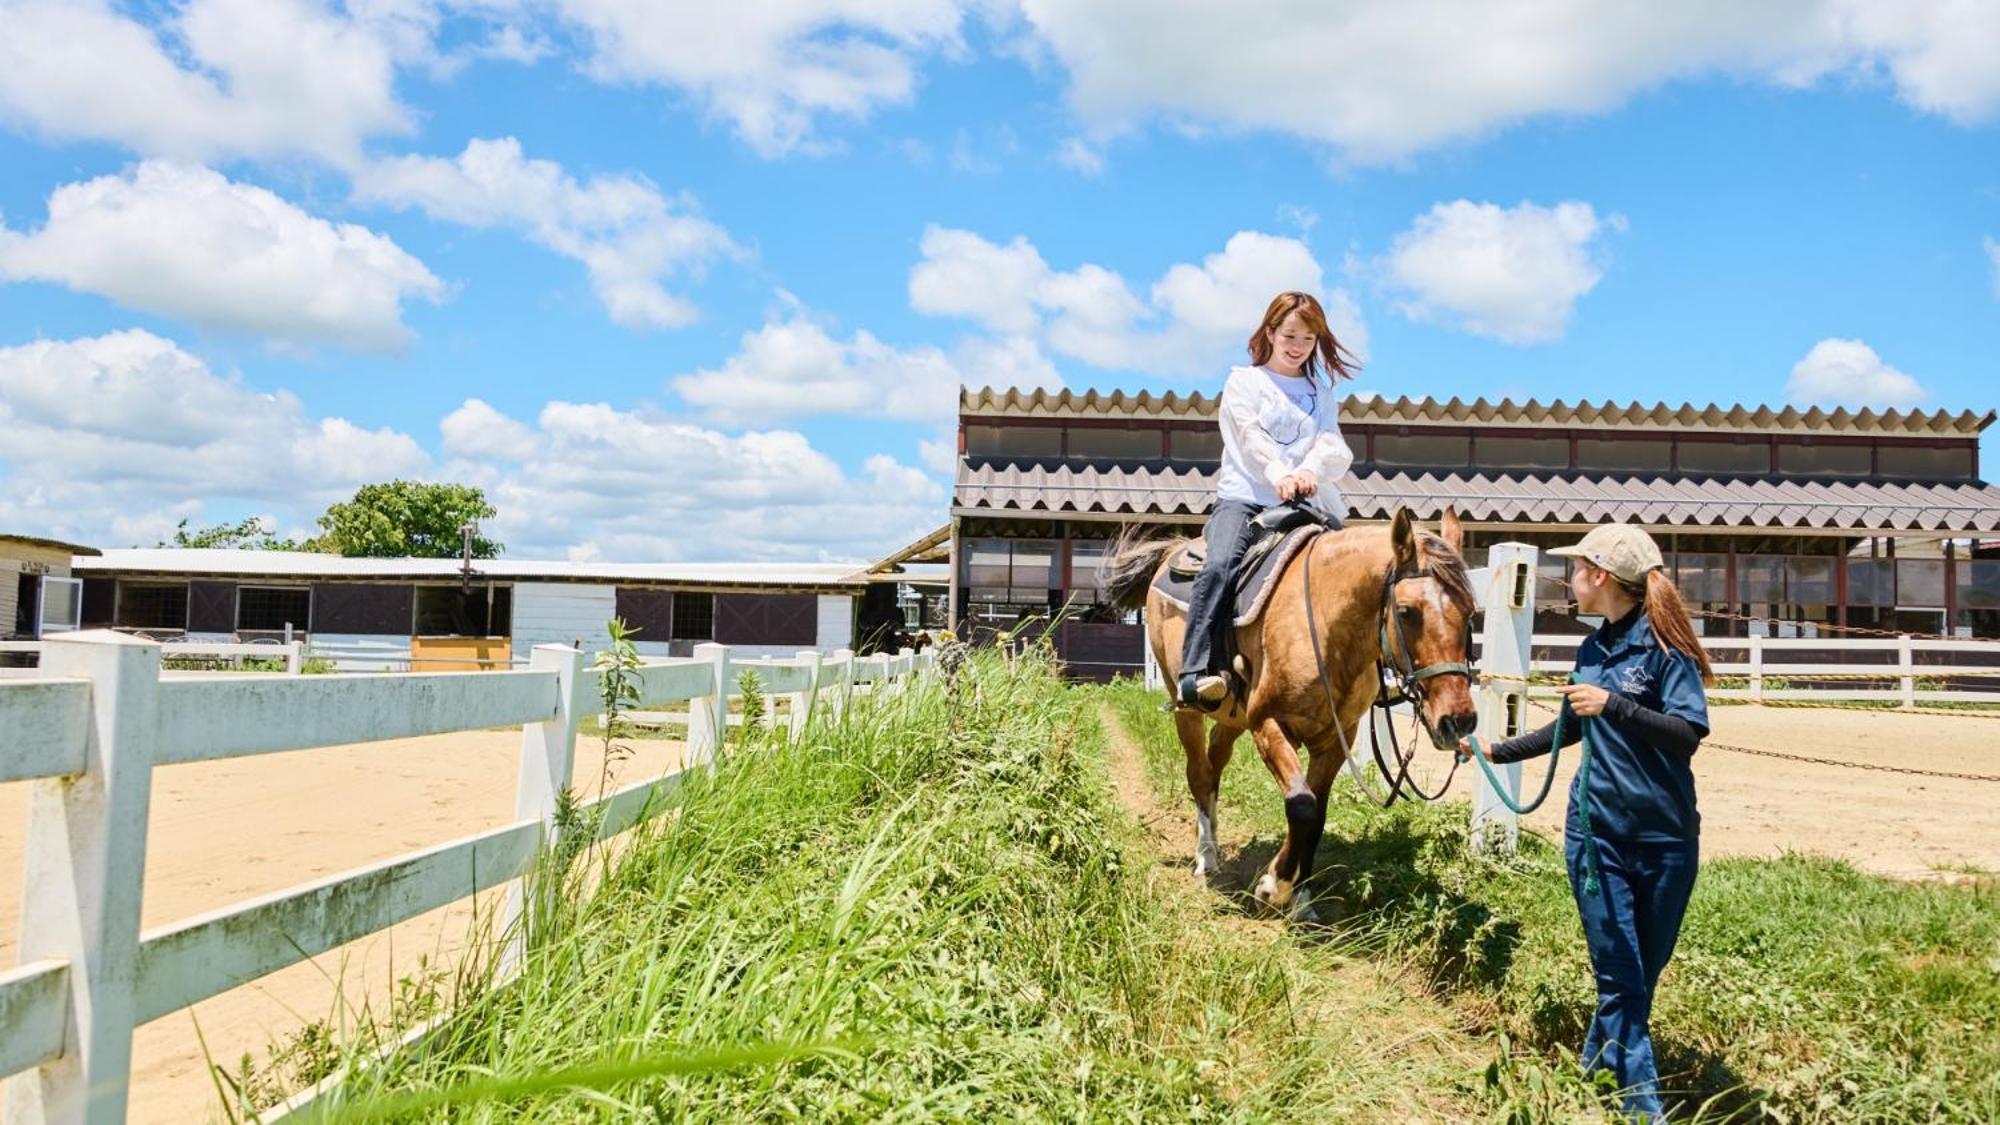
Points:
point(1670, 621)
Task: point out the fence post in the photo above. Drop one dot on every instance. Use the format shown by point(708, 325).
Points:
point(804, 703)
point(295, 657)
point(548, 756)
point(1756, 668)
point(1906, 667)
point(708, 713)
point(1154, 679)
point(843, 693)
point(85, 867)
point(1505, 648)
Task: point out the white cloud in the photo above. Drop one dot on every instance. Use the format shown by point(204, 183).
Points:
point(183, 241)
point(111, 439)
point(1381, 79)
point(794, 366)
point(1194, 318)
point(477, 430)
point(599, 482)
point(1081, 156)
point(1839, 372)
point(1993, 256)
point(106, 439)
point(773, 69)
point(218, 78)
point(629, 235)
point(1513, 274)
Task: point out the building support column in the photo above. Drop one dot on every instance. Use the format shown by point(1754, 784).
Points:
point(951, 595)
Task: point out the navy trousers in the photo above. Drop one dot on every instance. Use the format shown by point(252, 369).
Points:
point(1631, 925)
point(1225, 538)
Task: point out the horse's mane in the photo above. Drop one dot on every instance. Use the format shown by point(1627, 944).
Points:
point(1440, 560)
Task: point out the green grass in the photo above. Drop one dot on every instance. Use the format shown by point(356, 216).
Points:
point(931, 912)
point(1802, 989)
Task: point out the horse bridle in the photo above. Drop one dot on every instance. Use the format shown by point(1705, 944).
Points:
point(1395, 668)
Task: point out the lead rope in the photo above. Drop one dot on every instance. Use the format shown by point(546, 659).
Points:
point(1590, 866)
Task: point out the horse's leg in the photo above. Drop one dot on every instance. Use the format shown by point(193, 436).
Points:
point(1202, 783)
point(1322, 767)
point(1305, 816)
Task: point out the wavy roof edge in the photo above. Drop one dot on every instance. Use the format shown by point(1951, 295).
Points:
point(1015, 402)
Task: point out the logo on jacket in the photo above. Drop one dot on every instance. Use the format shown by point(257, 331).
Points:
point(1632, 679)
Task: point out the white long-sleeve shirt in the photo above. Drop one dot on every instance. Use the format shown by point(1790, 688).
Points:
point(1273, 425)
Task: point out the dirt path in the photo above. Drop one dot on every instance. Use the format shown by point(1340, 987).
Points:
point(1393, 1013)
point(222, 832)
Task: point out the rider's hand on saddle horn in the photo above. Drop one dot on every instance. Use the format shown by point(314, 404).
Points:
point(1297, 484)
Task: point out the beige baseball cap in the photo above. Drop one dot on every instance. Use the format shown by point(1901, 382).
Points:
point(1626, 551)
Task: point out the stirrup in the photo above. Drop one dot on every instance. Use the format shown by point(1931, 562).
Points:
point(1202, 696)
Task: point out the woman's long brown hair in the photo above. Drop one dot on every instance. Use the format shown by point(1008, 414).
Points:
point(1340, 363)
point(1670, 620)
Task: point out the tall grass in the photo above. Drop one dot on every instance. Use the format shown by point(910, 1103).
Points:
point(932, 910)
point(1801, 990)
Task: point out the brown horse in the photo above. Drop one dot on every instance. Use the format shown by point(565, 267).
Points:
point(1392, 594)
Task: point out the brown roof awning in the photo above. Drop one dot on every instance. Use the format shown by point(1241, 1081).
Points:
point(988, 402)
point(1687, 501)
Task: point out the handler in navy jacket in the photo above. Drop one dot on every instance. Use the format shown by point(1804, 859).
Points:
point(1633, 832)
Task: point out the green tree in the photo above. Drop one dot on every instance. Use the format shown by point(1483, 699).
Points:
point(251, 534)
point(406, 518)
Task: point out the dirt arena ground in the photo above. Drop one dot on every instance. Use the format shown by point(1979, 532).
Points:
point(1894, 824)
point(225, 831)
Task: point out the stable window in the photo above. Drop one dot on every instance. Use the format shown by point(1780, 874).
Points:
point(1523, 452)
point(1871, 582)
point(449, 611)
point(1086, 562)
point(1978, 597)
point(1922, 462)
point(271, 608)
point(1013, 442)
point(152, 605)
point(1615, 455)
point(1428, 451)
point(694, 617)
point(1092, 443)
point(1196, 445)
point(62, 605)
point(1824, 460)
point(1919, 582)
point(1725, 457)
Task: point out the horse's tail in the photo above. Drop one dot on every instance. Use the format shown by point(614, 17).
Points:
point(1129, 569)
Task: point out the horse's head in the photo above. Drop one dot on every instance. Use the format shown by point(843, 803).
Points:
point(1427, 626)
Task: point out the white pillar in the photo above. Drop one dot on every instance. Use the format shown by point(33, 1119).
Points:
point(805, 701)
point(548, 756)
point(86, 866)
point(1756, 668)
point(295, 656)
point(843, 684)
point(1506, 645)
point(1906, 666)
point(708, 713)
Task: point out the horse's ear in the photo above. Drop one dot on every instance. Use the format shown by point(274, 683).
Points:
point(1452, 531)
point(1403, 535)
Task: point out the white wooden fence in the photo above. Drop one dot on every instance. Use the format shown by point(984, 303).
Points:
point(89, 730)
point(291, 652)
point(1904, 670)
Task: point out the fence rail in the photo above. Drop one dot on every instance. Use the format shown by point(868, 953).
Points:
point(90, 728)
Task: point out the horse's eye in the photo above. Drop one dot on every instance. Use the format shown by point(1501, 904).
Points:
point(1410, 614)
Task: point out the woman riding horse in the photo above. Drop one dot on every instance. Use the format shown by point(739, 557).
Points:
point(1352, 606)
point(1281, 443)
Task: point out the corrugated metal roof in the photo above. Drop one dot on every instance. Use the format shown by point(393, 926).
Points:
point(989, 402)
point(47, 544)
point(1505, 497)
point(302, 564)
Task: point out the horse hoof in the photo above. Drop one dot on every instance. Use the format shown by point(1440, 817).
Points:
point(1207, 864)
point(1272, 893)
point(1303, 913)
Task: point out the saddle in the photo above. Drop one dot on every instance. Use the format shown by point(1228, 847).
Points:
point(1281, 533)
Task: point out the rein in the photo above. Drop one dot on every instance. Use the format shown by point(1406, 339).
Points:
point(1408, 682)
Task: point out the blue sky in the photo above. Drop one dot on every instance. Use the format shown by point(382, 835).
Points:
point(675, 284)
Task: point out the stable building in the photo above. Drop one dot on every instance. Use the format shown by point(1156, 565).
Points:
point(38, 595)
point(437, 614)
point(1774, 521)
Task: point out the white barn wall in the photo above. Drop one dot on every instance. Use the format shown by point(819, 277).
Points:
point(836, 622)
point(562, 613)
point(362, 652)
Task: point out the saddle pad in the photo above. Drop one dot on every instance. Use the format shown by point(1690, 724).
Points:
point(1253, 589)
